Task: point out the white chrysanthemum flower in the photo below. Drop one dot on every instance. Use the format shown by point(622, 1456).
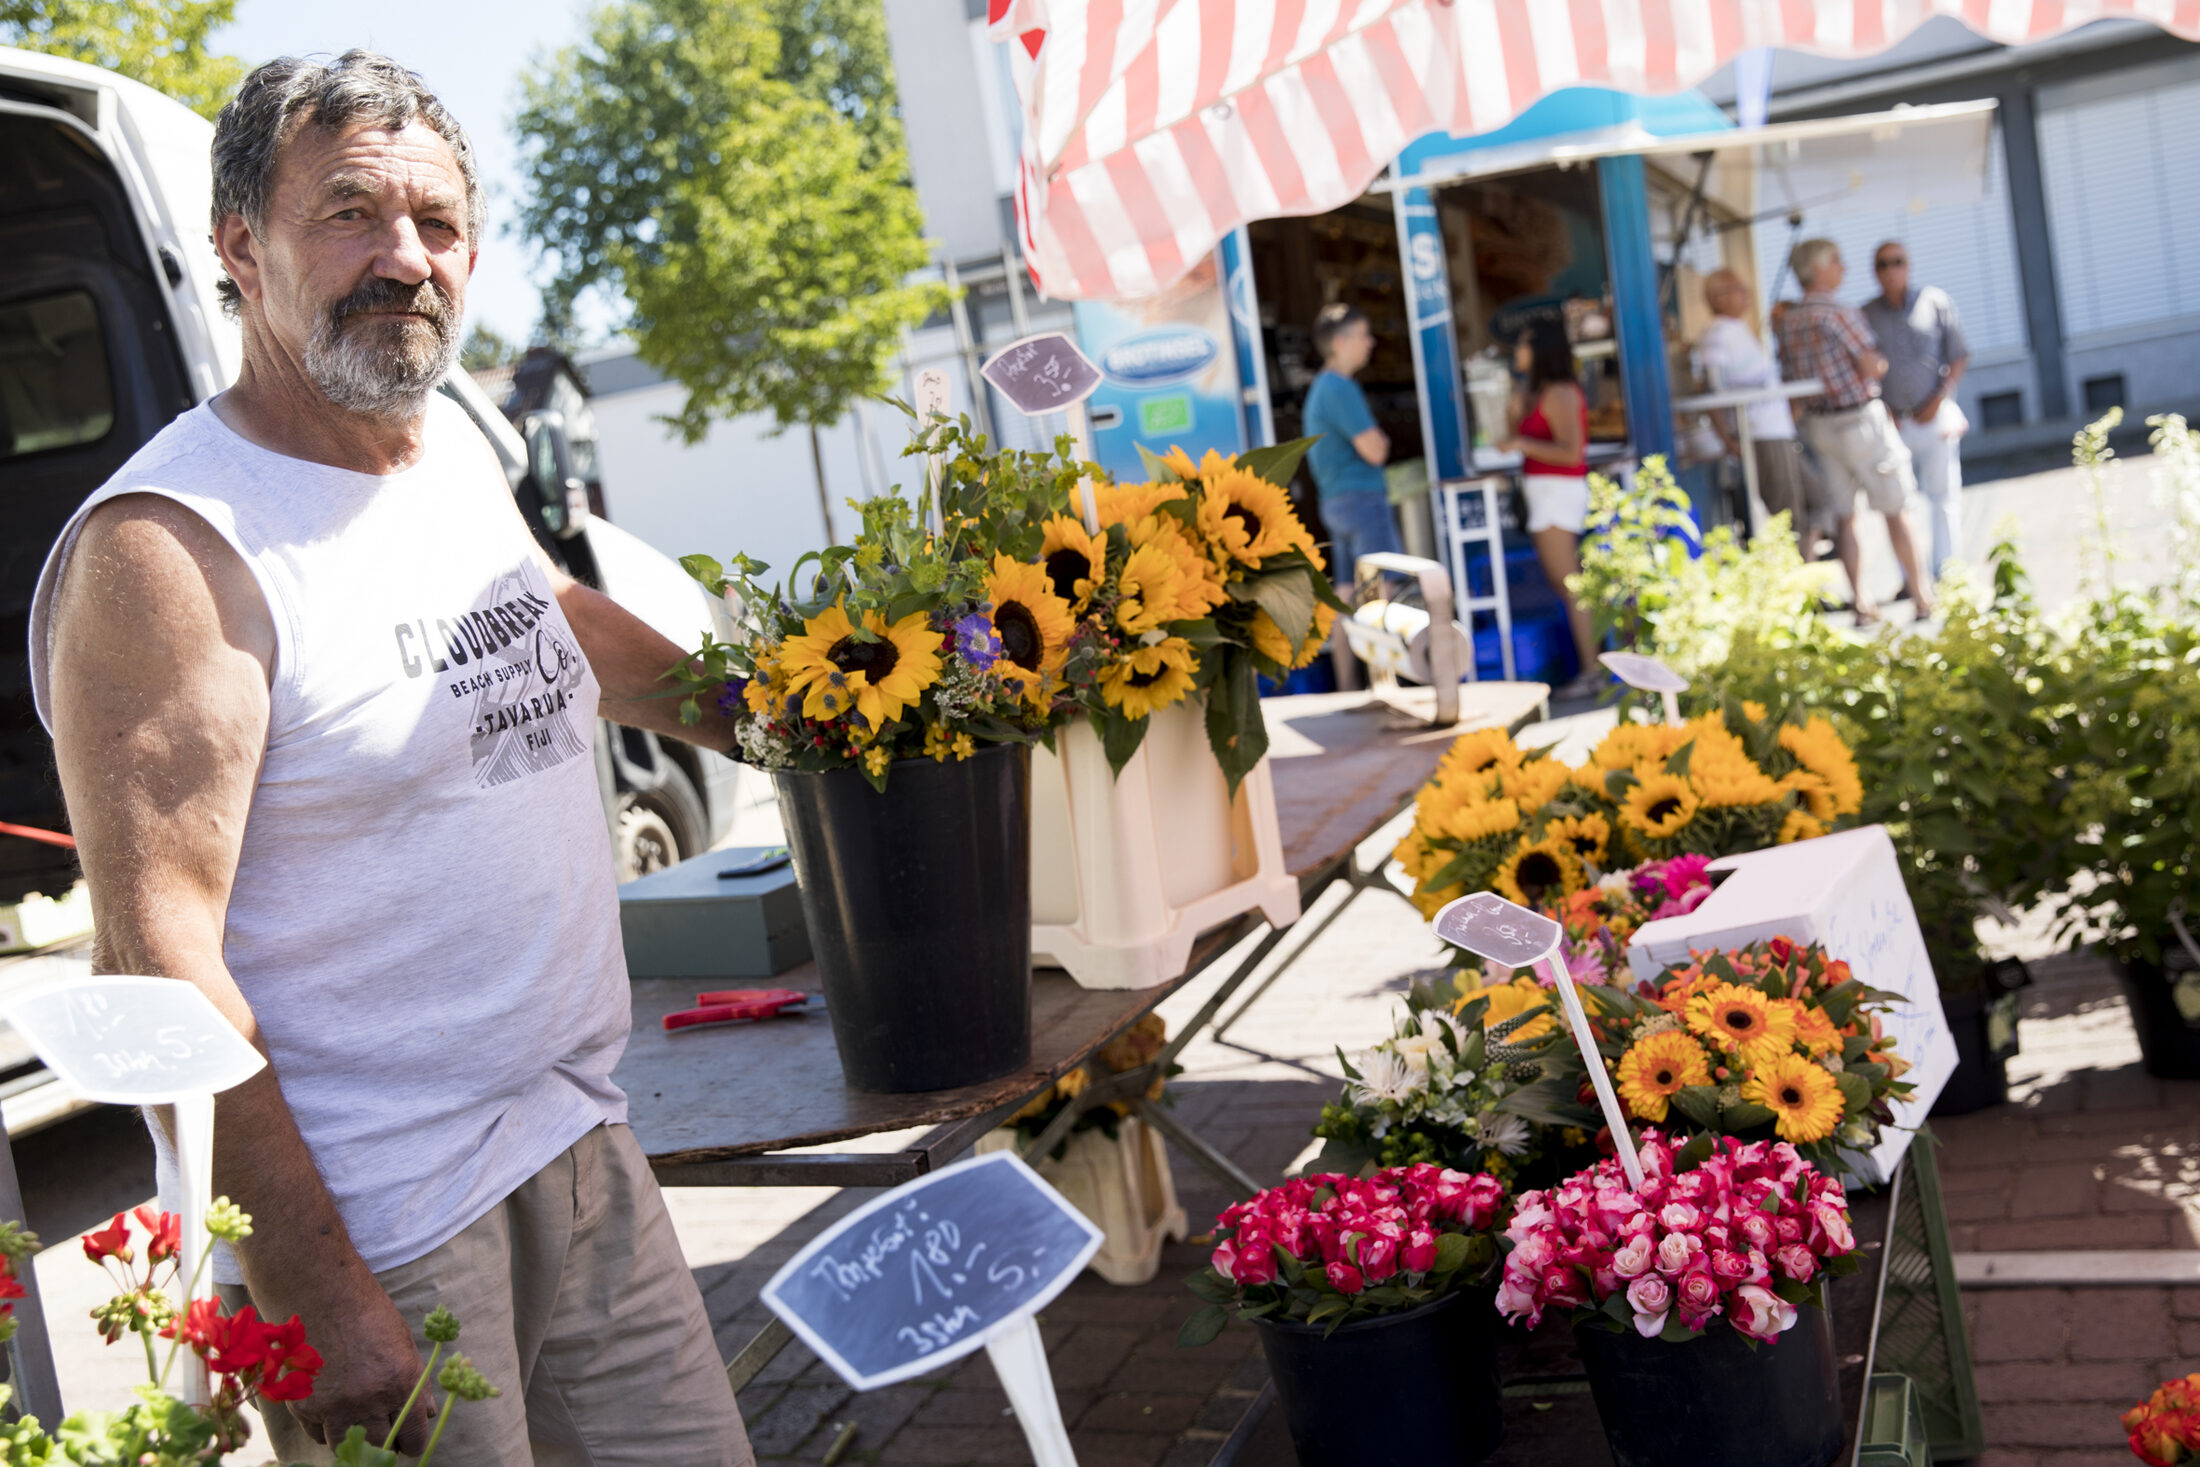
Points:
point(1615, 881)
point(1385, 1076)
point(1508, 1134)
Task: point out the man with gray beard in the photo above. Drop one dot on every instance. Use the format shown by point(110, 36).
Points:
point(395, 879)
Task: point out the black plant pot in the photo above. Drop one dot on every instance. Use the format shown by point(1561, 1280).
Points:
point(1417, 1387)
point(1983, 1023)
point(1715, 1402)
point(918, 901)
point(2168, 1041)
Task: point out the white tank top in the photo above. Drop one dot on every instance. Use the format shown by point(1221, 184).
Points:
point(425, 919)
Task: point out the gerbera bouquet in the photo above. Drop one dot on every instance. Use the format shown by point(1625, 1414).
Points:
point(1201, 581)
point(1536, 831)
point(1744, 1230)
point(1773, 1040)
point(2165, 1428)
point(1482, 1080)
point(1330, 1250)
point(907, 643)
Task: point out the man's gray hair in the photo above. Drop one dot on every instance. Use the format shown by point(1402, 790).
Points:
point(285, 95)
point(1809, 257)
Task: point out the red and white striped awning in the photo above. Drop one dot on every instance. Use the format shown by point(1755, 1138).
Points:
point(1154, 127)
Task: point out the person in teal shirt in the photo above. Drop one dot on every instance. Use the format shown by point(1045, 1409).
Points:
point(1347, 458)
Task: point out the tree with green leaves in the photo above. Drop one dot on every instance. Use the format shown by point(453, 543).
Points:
point(162, 43)
point(486, 347)
point(735, 173)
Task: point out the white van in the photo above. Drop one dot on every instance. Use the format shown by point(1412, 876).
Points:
point(110, 327)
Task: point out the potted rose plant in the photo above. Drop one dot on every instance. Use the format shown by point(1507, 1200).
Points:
point(1371, 1302)
point(1698, 1302)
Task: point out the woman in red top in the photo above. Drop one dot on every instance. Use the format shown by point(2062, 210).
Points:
point(1551, 433)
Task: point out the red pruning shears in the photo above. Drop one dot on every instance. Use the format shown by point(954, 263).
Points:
point(727, 1004)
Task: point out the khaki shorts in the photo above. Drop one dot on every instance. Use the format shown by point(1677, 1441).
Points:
point(1860, 452)
point(574, 1300)
point(1788, 483)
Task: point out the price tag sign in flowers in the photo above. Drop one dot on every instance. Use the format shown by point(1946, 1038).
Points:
point(1648, 675)
point(1499, 931)
point(935, 1269)
point(1048, 374)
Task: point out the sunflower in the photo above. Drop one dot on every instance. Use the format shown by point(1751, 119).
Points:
point(1800, 1093)
point(1812, 793)
point(766, 692)
point(1148, 678)
point(1033, 623)
point(1659, 807)
point(1473, 820)
point(1325, 616)
point(1800, 825)
point(1484, 751)
point(1540, 871)
point(1590, 836)
point(1753, 710)
point(1269, 640)
point(1152, 591)
point(1203, 587)
point(1818, 748)
point(1535, 783)
point(1245, 518)
point(1523, 995)
point(1742, 1020)
point(1656, 1068)
point(1125, 504)
point(874, 677)
point(1074, 561)
point(1430, 903)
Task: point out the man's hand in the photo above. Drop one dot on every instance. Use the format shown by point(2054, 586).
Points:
point(1929, 409)
point(371, 1367)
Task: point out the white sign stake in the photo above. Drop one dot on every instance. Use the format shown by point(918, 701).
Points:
point(1648, 675)
point(1019, 1358)
point(1048, 374)
point(933, 402)
point(1499, 931)
point(127, 1040)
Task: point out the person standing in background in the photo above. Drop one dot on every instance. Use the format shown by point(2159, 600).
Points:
point(1846, 425)
point(1787, 482)
point(1551, 435)
point(1926, 354)
point(1348, 455)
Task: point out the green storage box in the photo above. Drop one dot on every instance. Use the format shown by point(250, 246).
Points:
point(1894, 1425)
point(689, 921)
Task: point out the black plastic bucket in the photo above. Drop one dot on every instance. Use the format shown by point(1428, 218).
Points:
point(1713, 1401)
point(1418, 1387)
point(918, 901)
point(2168, 1041)
point(1981, 1077)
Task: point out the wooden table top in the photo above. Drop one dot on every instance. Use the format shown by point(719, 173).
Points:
point(1343, 764)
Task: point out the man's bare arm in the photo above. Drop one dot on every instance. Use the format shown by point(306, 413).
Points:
point(161, 664)
point(630, 658)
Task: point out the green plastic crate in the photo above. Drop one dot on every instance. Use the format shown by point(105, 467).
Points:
point(1921, 1332)
point(1894, 1425)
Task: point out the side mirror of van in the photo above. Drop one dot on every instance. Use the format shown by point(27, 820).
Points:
point(553, 487)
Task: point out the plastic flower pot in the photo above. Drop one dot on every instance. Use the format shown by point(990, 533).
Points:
point(2168, 1041)
point(1715, 1402)
point(1984, 1024)
point(918, 901)
point(1417, 1387)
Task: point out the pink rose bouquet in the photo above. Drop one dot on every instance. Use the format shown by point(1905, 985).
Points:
point(1749, 1231)
point(1333, 1249)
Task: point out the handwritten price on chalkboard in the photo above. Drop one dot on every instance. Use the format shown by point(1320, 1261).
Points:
point(938, 1264)
point(130, 1040)
point(1042, 374)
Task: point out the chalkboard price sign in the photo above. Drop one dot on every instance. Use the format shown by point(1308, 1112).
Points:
point(932, 1270)
point(1488, 926)
point(129, 1040)
point(1042, 374)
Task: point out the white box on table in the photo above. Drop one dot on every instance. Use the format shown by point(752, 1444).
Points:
point(1844, 892)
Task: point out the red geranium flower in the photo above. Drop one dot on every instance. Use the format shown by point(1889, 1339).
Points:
point(111, 1241)
point(166, 1229)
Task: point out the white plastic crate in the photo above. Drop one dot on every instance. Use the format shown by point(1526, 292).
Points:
point(1123, 1186)
point(1126, 872)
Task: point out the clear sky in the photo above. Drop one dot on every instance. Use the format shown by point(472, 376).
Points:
point(472, 53)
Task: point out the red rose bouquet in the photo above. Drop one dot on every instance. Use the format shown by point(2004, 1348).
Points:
point(1330, 1250)
point(2165, 1428)
point(1748, 1232)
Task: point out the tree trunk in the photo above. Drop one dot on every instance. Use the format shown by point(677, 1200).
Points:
point(824, 499)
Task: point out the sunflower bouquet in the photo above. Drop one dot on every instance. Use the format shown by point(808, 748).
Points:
point(1775, 1040)
point(918, 640)
point(1198, 582)
point(1538, 831)
point(1477, 1079)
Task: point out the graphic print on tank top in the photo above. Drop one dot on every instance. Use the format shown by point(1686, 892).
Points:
point(519, 667)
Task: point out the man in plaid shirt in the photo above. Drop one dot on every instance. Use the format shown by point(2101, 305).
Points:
point(1858, 447)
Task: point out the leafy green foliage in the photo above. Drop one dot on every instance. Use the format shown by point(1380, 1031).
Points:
point(162, 43)
point(736, 173)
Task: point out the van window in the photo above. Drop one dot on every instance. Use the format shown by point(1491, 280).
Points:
point(55, 390)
